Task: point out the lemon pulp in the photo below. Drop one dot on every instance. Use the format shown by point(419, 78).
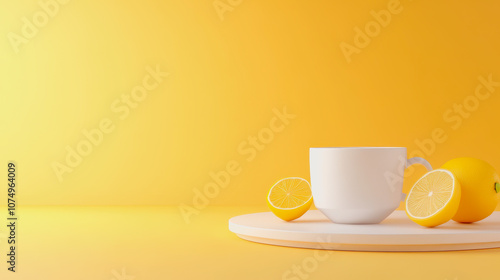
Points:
point(434, 198)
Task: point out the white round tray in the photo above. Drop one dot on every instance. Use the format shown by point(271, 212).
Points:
point(396, 233)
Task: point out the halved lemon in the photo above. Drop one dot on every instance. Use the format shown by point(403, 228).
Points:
point(434, 198)
point(290, 198)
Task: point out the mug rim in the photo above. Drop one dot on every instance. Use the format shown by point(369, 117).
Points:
point(360, 148)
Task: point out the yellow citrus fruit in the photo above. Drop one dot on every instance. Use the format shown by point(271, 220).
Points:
point(290, 198)
point(480, 188)
point(434, 198)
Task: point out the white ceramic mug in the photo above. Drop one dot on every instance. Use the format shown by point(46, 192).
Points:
point(359, 185)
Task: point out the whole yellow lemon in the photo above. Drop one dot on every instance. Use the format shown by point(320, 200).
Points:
point(480, 188)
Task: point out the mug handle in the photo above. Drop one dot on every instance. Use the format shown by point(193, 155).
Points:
point(416, 160)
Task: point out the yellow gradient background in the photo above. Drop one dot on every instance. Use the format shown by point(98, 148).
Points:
point(226, 77)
